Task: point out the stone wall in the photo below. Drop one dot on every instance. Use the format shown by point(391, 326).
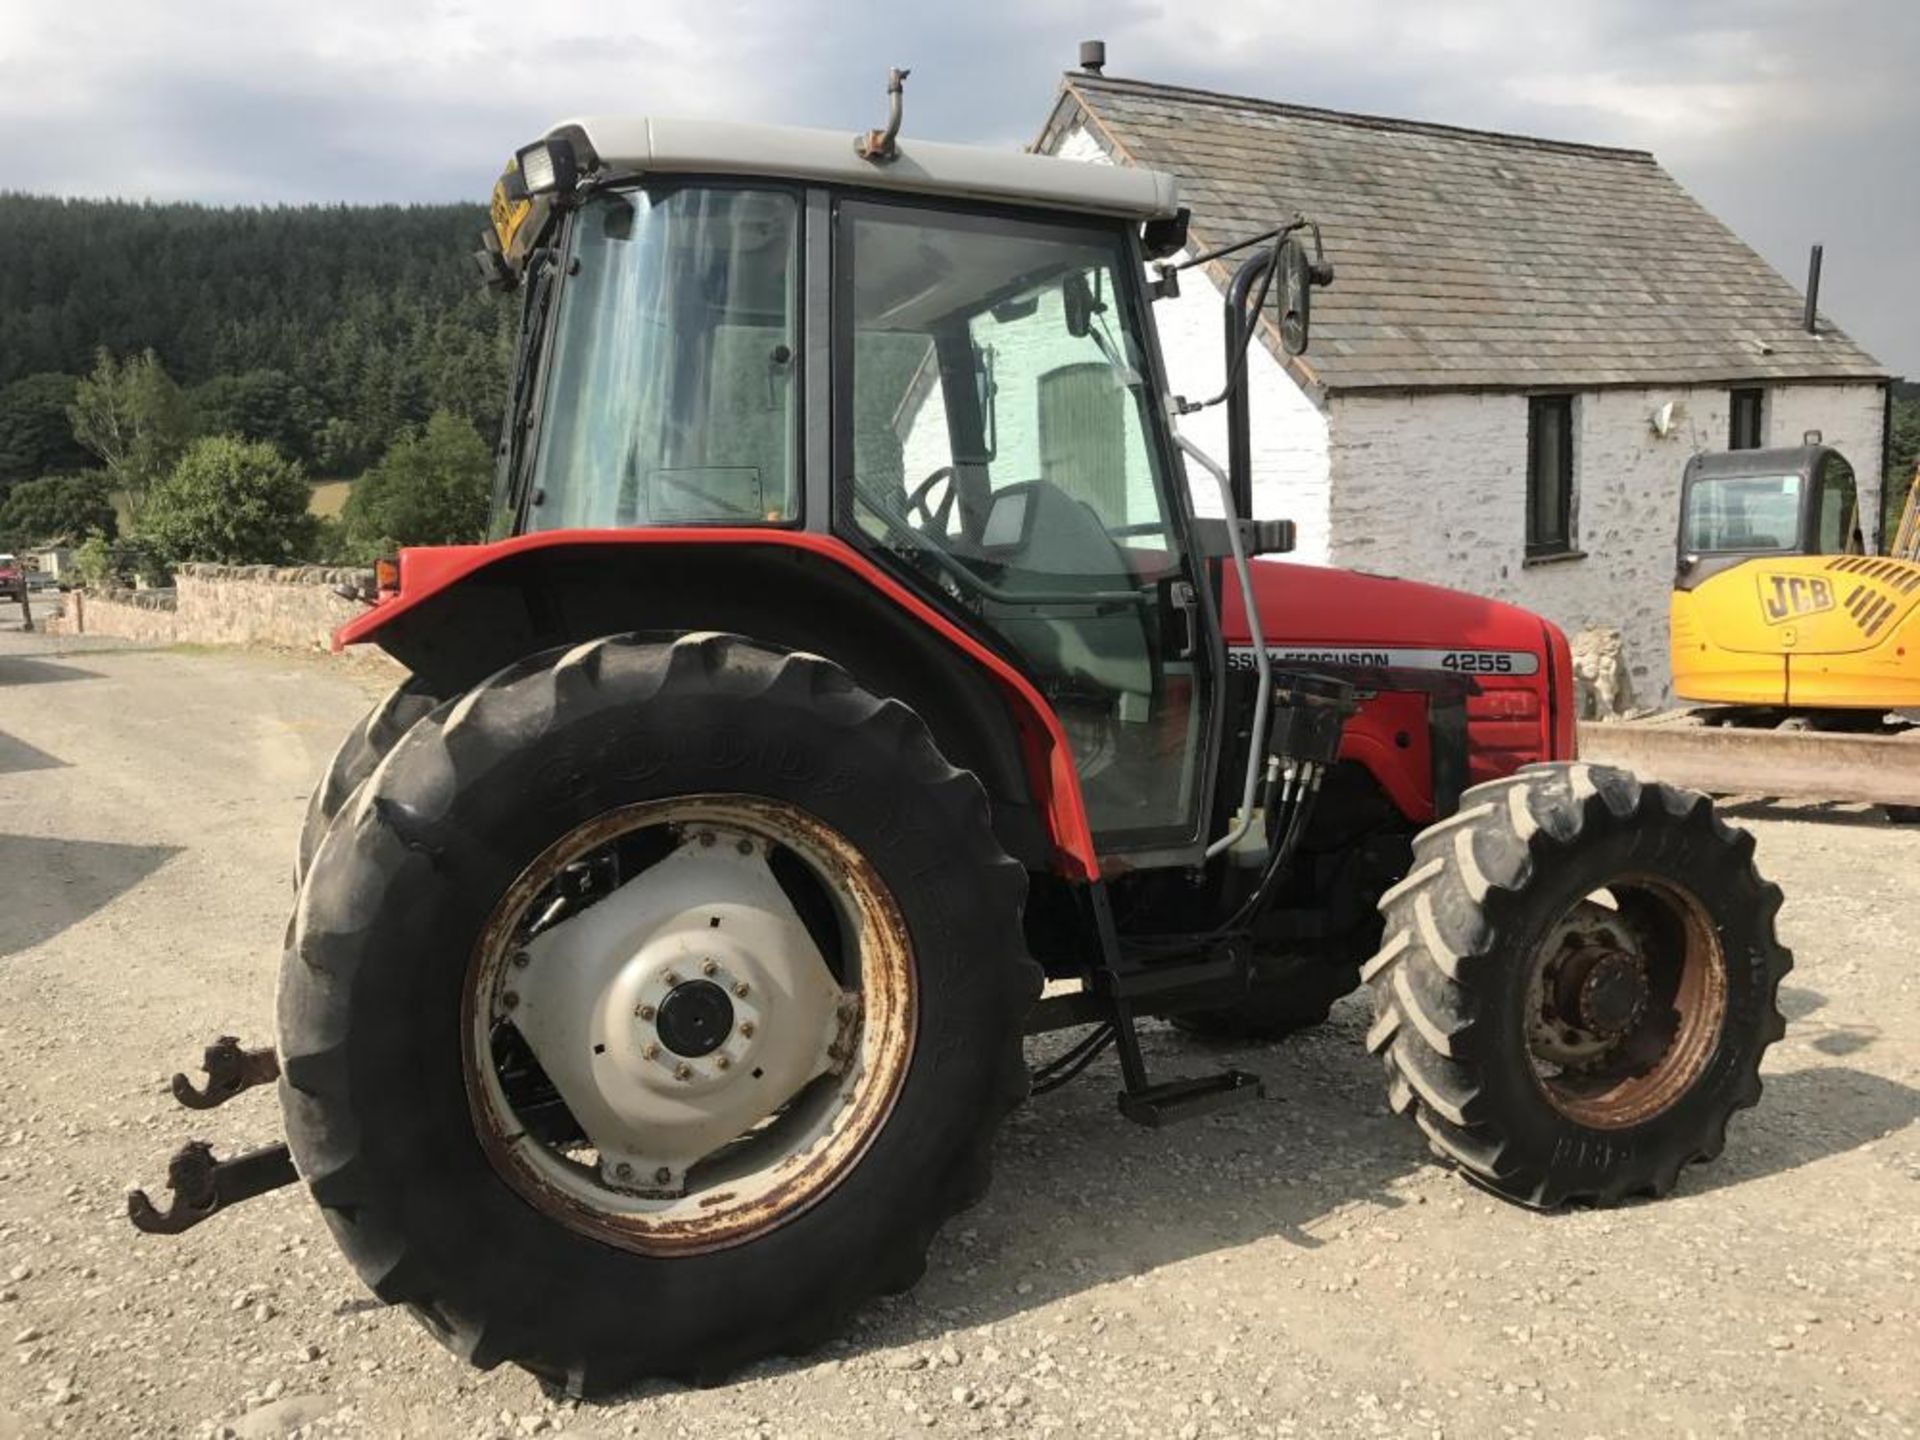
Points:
point(1433, 487)
point(148, 616)
point(286, 607)
point(281, 607)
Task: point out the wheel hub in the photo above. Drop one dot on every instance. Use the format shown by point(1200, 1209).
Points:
point(1613, 996)
point(695, 1019)
point(681, 1011)
point(1589, 991)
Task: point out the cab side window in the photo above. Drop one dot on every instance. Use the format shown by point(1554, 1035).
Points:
point(1837, 510)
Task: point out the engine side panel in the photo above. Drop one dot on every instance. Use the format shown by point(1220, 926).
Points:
point(1511, 670)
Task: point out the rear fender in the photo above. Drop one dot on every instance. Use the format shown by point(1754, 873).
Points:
point(463, 612)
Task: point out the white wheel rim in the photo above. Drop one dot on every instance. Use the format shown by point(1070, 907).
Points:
point(724, 1076)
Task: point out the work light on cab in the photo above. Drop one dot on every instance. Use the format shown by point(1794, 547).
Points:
point(547, 167)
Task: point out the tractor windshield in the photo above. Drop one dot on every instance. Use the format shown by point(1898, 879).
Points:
point(673, 348)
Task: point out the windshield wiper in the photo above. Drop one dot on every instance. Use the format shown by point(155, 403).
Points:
point(527, 366)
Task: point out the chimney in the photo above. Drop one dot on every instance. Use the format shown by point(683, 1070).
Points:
point(1813, 290)
point(1093, 56)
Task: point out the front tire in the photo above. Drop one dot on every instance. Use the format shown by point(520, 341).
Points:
point(1578, 982)
point(390, 1123)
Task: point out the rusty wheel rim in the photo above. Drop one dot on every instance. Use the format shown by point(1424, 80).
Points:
point(1626, 997)
point(795, 1152)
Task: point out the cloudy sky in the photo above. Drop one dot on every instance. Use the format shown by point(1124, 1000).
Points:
point(1794, 120)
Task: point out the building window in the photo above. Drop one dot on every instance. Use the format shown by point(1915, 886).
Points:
point(1550, 475)
point(1745, 411)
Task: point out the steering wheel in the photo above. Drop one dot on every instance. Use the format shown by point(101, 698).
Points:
point(935, 516)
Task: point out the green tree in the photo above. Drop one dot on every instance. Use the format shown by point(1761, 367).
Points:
point(131, 414)
point(1903, 453)
point(430, 488)
point(236, 501)
point(259, 405)
point(93, 559)
point(35, 435)
point(57, 507)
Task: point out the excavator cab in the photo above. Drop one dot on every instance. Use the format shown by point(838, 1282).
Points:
point(1776, 602)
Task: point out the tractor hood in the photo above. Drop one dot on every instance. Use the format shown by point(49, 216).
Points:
point(1347, 617)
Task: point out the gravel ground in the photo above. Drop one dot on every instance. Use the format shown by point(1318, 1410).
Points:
point(1297, 1267)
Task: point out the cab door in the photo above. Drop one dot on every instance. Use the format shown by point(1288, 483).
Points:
point(999, 445)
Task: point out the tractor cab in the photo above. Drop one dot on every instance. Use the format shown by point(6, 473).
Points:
point(941, 357)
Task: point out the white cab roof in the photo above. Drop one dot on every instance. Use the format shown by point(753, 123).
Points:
point(717, 147)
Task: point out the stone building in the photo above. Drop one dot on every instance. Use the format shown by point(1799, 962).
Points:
point(1524, 342)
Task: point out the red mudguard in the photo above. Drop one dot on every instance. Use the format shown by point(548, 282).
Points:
point(1049, 762)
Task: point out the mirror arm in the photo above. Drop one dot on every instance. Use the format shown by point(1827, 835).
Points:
point(1276, 234)
point(1247, 319)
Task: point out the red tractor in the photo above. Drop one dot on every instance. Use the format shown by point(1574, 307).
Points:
point(851, 661)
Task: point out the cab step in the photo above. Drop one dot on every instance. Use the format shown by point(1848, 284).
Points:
point(1171, 1101)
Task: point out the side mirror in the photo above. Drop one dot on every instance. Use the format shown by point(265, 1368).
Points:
point(1299, 273)
point(1296, 296)
point(1076, 298)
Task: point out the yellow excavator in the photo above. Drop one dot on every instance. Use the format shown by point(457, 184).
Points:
point(1776, 604)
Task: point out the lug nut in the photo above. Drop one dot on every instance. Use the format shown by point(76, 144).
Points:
point(722, 1063)
point(706, 837)
point(707, 967)
point(746, 1028)
point(740, 988)
point(645, 1012)
point(623, 1170)
point(650, 1052)
point(509, 1000)
point(683, 1071)
point(746, 847)
point(662, 1175)
point(670, 979)
point(521, 959)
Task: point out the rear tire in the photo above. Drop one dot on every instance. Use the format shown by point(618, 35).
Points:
point(376, 1085)
point(1545, 1109)
point(366, 745)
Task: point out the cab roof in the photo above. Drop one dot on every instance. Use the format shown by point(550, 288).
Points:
point(652, 145)
point(1778, 460)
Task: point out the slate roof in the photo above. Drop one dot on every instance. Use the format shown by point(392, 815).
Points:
point(1467, 260)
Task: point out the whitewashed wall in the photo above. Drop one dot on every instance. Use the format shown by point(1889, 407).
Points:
point(1433, 487)
point(1851, 418)
point(1288, 431)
